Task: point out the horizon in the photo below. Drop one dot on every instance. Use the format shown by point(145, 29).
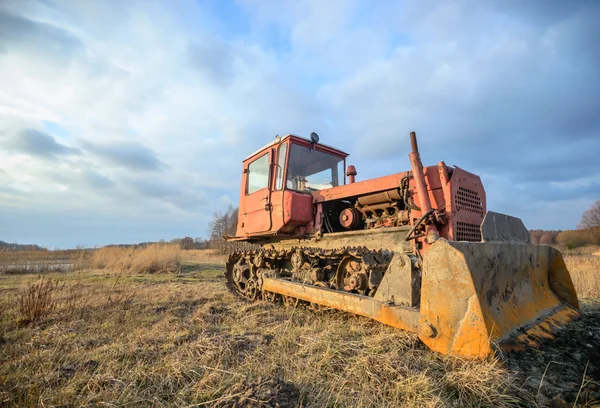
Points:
point(128, 122)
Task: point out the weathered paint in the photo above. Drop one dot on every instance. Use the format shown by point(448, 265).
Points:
point(395, 316)
point(474, 296)
point(392, 239)
point(297, 208)
point(359, 188)
point(478, 294)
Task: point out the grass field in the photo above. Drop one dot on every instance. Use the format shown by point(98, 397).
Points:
point(123, 335)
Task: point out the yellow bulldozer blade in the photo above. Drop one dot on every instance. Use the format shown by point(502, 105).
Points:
point(475, 297)
point(478, 296)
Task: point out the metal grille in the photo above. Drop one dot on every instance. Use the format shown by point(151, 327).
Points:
point(468, 232)
point(468, 200)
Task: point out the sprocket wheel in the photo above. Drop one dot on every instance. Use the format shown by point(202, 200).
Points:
point(241, 276)
point(252, 291)
point(351, 275)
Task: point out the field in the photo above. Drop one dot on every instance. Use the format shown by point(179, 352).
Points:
point(159, 328)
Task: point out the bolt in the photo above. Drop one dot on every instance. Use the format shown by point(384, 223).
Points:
point(427, 331)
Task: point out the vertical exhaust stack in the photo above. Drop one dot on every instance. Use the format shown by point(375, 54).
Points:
point(351, 173)
point(421, 187)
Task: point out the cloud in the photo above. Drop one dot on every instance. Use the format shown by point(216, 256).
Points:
point(488, 88)
point(30, 37)
point(37, 143)
point(159, 102)
point(213, 58)
point(153, 188)
point(97, 180)
point(133, 156)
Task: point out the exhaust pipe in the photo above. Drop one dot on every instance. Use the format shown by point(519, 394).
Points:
point(421, 187)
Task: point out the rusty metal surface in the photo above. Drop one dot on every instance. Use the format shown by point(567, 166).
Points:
point(473, 296)
point(349, 218)
point(359, 188)
point(417, 173)
point(400, 317)
point(401, 284)
point(476, 294)
point(391, 239)
point(351, 174)
point(503, 228)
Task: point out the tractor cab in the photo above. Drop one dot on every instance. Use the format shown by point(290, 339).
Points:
point(277, 182)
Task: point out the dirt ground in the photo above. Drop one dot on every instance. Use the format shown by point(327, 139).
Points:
point(567, 369)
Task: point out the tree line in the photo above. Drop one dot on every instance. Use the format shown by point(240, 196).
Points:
point(587, 232)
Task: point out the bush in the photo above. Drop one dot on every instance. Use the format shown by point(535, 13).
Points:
point(36, 300)
point(577, 238)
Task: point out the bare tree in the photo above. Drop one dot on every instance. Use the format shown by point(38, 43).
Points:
point(223, 224)
point(186, 243)
point(591, 217)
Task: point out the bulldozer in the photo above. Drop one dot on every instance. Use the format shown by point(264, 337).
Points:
point(416, 250)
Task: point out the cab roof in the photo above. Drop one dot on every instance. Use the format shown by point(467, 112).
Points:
point(300, 140)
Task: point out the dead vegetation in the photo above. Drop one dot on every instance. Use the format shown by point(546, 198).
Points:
point(147, 259)
point(146, 339)
point(36, 300)
point(204, 256)
point(584, 267)
point(183, 339)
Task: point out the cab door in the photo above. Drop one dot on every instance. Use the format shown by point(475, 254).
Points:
point(257, 203)
point(277, 188)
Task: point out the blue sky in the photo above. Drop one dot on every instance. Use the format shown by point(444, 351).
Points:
point(127, 121)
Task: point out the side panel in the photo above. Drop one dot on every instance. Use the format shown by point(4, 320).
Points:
point(297, 208)
point(359, 188)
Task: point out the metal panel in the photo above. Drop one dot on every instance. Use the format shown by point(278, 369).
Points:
point(503, 228)
point(400, 317)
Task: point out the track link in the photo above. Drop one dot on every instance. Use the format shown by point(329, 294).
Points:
point(355, 270)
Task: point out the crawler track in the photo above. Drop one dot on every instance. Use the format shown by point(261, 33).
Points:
point(353, 270)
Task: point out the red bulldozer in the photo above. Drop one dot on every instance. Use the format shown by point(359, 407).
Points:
point(417, 250)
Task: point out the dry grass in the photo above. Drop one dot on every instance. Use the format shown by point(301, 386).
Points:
point(585, 273)
point(149, 259)
point(205, 256)
point(176, 340)
point(144, 339)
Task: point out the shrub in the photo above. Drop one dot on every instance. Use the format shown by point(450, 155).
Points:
point(577, 238)
point(36, 300)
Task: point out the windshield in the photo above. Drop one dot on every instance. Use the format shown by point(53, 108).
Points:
point(312, 170)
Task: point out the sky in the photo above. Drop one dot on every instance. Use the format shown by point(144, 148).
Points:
point(127, 121)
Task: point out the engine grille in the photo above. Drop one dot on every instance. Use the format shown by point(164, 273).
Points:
point(468, 200)
point(468, 232)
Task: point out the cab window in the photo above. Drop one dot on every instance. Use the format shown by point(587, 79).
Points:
point(311, 170)
point(258, 174)
point(280, 166)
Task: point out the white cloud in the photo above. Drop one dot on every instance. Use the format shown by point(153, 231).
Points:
point(162, 107)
